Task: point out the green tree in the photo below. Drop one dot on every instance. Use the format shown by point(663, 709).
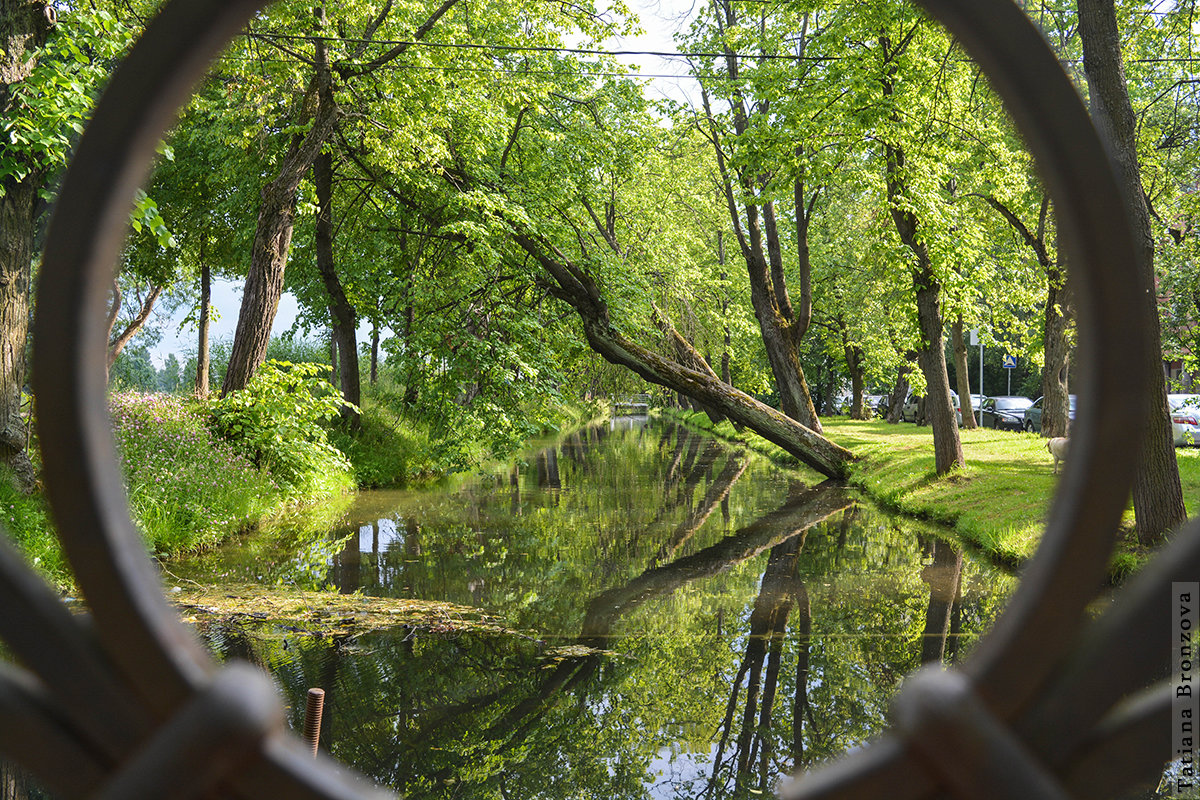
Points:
point(49, 68)
point(1157, 494)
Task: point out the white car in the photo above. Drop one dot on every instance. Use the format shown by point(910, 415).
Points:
point(908, 413)
point(1185, 418)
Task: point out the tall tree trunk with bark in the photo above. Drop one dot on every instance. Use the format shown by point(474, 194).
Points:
point(1057, 317)
point(273, 234)
point(931, 354)
point(857, 370)
point(782, 328)
point(202, 351)
point(24, 26)
point(344, 318)
point(1056, 350)
point(900, 389)
point(962, 372)
point(1157, 494)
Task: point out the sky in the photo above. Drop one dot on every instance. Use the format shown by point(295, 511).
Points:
point(660, 20)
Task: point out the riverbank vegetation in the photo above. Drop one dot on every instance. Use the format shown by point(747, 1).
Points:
point(996, 503)
point(200, 471)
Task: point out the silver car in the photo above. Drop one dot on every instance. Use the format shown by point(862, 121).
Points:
point(1185, 418)
point(908, 413)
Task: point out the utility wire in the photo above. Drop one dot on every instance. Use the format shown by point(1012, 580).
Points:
point(658, 53)
point(536, 48)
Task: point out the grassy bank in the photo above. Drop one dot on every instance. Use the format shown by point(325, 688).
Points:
point(197, 473)
point(998, 503)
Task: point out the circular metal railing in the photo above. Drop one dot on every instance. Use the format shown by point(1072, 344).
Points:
point(127, 704)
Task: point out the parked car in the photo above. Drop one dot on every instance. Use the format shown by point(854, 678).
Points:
point(1006, 412)
point(1185, 418)
point(876, 403)
point(1032, 421)
point(908, 413)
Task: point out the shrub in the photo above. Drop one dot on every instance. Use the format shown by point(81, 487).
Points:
point(275, 422)
point(187, 489)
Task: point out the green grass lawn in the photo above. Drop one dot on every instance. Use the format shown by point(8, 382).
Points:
point(998, 503)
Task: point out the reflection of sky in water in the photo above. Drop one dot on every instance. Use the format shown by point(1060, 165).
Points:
point(388, 533)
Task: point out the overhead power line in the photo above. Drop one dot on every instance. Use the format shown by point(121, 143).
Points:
point(503, 48)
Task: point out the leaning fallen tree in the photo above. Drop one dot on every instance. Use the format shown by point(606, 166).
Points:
point(576, 287)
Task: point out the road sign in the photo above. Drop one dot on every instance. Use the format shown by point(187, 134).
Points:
point(1010, 362)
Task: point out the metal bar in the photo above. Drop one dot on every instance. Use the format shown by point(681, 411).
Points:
point(52, 643)
point(35, 734)
point(139, 630)
point(312, 718)
point(195, 750)
point(1132, 641)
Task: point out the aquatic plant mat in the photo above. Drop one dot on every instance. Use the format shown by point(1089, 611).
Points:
point(326, 613)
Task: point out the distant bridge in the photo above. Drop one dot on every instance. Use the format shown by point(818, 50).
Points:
point(633, 404)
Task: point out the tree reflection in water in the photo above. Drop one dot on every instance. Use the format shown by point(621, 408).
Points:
point(672, 651)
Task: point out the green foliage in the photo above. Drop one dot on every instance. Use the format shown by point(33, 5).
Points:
point(25, 519)
point(44, 114)
point(383, 451)
point(187, 488)
point(133, 371)
point(275, 422)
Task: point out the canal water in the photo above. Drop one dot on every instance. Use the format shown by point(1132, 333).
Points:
point(681, 618)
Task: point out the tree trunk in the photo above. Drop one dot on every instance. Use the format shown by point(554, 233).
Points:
point(1056, 350)
point(23, 29)
point(16, 257)
point(374, 354)
point(202, 354)
point(577, 288)
point(781, 330)
point(854, 365)
point(931, 354)
point(687, 355)
point(117, 343)
point(963, 373)
point(778, 329)
point(344, 319)
point(900, 390)
point(726, 376)
point(273, 236)
point(1157, 494)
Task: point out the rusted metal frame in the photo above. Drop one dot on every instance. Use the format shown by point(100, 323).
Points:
point(957, 736)
point(1128, 648)
point(122, 586)
point(219, 729)
point(136, 626)
point(1133, 735)
point(58, 648)
point(35, 734)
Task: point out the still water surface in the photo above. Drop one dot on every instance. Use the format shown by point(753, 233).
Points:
point(689, 620)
